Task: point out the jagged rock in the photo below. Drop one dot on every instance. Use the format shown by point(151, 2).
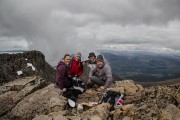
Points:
point(42, 117)
point(171, 112)
point(74, 118)
point(144, 107)
point(126, 110)
point(132, 92)
point(127, 118)
point(177, 97)
point(47, 117)
point(87, 96)
point(100, 111)
point(58, 115)
point(9, 99)
point(117, 89)
point(6, 102)
point(4, 118)
point(95, 118)
point(41, 102)
point(10, 64)
point(30, 88)
point(17, 84)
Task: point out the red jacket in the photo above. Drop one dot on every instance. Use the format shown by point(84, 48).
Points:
point(61, 74)
point(76, 68)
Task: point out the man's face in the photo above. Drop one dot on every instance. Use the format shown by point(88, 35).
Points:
point(77, 58)
point(67, 60)
point(92, 59)
point(99, 64)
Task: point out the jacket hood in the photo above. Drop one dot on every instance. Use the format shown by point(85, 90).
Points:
point(60, 63)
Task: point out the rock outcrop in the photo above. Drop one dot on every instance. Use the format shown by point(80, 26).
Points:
point(43, 101)
point(24, 98)
point(13, 66)
point(34, 98)
point(171, 112)
point(132, 92)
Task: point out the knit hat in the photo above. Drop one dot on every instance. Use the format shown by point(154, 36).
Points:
point(100, 58)
point(78, 54)
point(91, 55)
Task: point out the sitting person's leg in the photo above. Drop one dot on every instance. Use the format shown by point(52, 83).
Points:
point(68, 83)
point(97, 81)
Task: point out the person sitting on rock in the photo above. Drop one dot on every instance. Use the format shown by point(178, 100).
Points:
point(88, 65)
point(101, 75)
point(91, 62)
point(62, 80)
point(76, 67)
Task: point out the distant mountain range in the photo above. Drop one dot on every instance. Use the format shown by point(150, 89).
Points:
point(12, 51)
point(144, 66)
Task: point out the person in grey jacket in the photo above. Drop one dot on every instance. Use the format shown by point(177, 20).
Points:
point(101, 75)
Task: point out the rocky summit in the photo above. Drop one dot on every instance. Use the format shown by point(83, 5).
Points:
point(27, 63)
point(34, 96)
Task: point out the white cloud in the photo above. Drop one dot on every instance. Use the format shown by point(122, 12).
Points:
point(8, 43)
point(56, 27)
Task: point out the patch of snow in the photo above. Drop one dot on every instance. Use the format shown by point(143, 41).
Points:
point(26, 59)
point(19, 72)
point(30, 65)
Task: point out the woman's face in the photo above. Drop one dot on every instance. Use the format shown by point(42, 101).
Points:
point(67, 60)
point(77, 58)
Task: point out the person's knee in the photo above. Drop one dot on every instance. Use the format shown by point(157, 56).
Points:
point(93, 78)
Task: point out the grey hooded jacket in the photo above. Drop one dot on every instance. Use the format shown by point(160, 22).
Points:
point(103, 73)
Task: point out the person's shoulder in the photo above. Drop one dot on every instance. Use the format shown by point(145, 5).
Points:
point(61, 64)
point(107, 66)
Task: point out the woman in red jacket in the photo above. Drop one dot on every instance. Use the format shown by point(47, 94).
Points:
point(76, 67)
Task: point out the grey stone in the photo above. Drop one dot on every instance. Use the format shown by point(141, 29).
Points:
point(41, 102)
point(171, 112)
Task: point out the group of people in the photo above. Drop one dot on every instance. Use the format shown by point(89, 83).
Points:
point(69, 68)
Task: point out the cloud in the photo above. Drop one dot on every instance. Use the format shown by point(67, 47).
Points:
point(56, 27)
point(16, 43)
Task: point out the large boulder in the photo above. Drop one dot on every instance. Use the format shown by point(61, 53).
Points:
point(177, 98)
point(132, 91)
point(100, 112)
point(51, 116)
point(6, 102)
point(121, 111)
point(17, 84)
point(41, 102)
point(171, 112)
point(14, 91)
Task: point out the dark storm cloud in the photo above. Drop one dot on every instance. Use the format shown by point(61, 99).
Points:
point(56, 27)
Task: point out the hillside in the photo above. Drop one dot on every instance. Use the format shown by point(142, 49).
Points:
point(144, 67)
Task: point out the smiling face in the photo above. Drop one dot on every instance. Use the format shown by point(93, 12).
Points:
point(100, 64)
point(92, 59)
point(77, 58)
point(67, 60)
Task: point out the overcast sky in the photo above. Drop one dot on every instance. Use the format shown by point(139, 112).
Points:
point(56, 27)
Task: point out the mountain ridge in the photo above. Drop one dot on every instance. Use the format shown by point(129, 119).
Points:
point(143, 66)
